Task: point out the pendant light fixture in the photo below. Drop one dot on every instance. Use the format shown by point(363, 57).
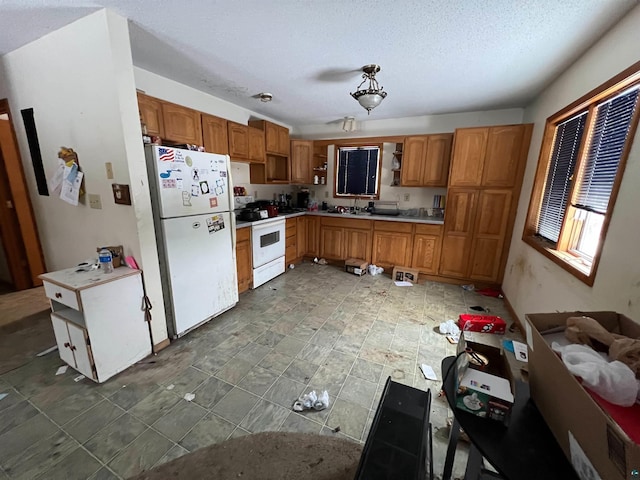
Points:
point(371, 96)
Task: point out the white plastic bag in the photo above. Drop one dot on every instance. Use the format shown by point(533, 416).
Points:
point(449, 328)
point(613, 381)
point(374, 270)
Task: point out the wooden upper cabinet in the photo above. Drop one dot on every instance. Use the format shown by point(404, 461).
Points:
point(425, 160)
point(276, 137)
point(181, 124)
point(283, 141)
point(469, 148)
point(301, 161)
point(238, 141)
point(257, 152)
point(151, 114)
point(503, 157)
point(214, 134)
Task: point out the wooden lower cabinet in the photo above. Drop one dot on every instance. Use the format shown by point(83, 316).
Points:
point(313, 235)
point(291, 245)
point(342, 238)
point(458, 232)
point(427, 243)
point(331, 242)
point(392, 244)
point(357, 244)
point(302, 236)
point(243, 259)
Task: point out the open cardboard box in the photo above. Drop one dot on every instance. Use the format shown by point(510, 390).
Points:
point(486, 391)
point(580, 425)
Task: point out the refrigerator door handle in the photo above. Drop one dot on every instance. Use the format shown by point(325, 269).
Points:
point(233, 216)
point(233, 234)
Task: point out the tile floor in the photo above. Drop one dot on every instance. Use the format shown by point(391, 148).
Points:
point(316, 327)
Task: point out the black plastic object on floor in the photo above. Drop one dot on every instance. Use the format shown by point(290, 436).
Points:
point(399, 444)
point(477, 308)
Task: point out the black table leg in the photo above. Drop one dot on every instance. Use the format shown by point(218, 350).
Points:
point(474, 464)
point(454, 435)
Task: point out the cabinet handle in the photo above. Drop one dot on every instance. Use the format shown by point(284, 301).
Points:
point(58, 295)
point(67, 344)
point(73, 347)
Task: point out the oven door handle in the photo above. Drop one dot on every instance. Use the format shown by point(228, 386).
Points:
point(267, 225)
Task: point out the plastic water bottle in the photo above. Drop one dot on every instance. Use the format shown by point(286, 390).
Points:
point(106, 260)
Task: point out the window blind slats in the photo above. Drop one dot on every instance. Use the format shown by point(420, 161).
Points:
point(606, 144)
point(558, 185)
point(358, 169)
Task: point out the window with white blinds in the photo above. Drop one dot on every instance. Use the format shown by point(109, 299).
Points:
point(357, 170)
point(582, 160)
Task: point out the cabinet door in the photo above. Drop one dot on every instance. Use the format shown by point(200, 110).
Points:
point(214, 134)
point(256, 145)
point(238, 141)
point(458, 232)
point(182, 124)
point(81, 350)
point(62, 340)
point(243, 265)
point(151, 114)
point(426, 253)
point(332, 243)
point(313, 236)
point(391, 249)
point(271, 138)
point(301, 156)
point(435, 171)
point(283, 141)
point(302, 240)
point(413, 155)
point(493, 212)
point(357, 244)
point(503, 156)
point(469, 146)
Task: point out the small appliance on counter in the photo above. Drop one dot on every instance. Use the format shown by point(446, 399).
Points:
point(385, 208)
point(303, 199)
point(268, 205)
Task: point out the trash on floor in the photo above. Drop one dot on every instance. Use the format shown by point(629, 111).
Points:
point(337, 429)
point(453, 339)
point(428, 372)
point(449, 328)
point(508, 345)
point(375, 270)
point(321, 261)
point(171, 387)
point(48, 350)
point(478, 308)
point(291, 266)
point(403, 284)
point(3, 395)
point(520, 351)
point(189, 396)
point(311, 401)
point(78, 378)
point(469, 288)
point(61, 370)
point(490, 292)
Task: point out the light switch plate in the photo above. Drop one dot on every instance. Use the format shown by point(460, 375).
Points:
point(407, 196)
point(109, 168)
point(121, 194)
point(95, 201)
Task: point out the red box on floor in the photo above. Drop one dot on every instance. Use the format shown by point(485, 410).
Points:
point(482, 323)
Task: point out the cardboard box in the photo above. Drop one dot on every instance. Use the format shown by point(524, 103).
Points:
point(482, 323)
point(484, 390)
point(355, 266)
point(405, 274)
point(576, 420)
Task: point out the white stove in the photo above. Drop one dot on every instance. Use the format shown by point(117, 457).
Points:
point(268, 248)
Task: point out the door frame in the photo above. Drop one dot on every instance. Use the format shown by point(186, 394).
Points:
point(17, 221)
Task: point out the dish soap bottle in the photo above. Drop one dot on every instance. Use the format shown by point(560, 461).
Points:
point(106, 260)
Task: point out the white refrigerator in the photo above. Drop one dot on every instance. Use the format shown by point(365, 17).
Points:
point(195, 232)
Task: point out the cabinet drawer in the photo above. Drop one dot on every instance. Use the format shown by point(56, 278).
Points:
point(291, 229)
point(428, 229)
point(243, 234)
point(403, 227)
point(62, 295)
point(349, 222)
point(291, 241)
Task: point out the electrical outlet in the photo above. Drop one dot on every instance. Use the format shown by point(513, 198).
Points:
point(255, 194)
point(109, 168)
point(326, 194)
point(95, 201)
point(407, 196)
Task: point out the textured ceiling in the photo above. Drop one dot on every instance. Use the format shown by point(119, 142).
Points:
point(436, 56)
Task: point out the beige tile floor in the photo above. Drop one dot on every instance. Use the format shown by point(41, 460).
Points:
point(316, 327)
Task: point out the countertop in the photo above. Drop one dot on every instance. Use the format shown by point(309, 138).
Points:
point(364, 216)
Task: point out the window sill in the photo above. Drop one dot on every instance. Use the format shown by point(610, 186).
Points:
point(574, 265)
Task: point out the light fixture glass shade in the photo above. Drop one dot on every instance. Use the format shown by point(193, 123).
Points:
point(371, 96)
point(349, 124)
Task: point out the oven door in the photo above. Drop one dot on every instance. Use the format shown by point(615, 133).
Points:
point(267, 241)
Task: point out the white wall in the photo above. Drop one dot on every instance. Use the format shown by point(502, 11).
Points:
point(532, 282)
point(79, 81)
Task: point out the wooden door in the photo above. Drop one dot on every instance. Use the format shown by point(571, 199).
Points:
point(391, 249)
point(181, 124)
point(332, 242)
point(256, 145)
point(243, 259)
point(357, 244)
point(238, 141)
point(503, 156)
point(271, 136)
point(301, 157)
point(488, 248)
point(435, 171)
point(458, 232)
point(469, 146)
point(151, 114)
point(413, 155)
point(81, 351)
point(302, 238)
point(215, 135)
point(62, 340)
point(426, 253)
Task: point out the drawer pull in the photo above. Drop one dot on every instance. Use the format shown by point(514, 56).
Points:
point(67, 344)
point(58, 295)
point(73, 347)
